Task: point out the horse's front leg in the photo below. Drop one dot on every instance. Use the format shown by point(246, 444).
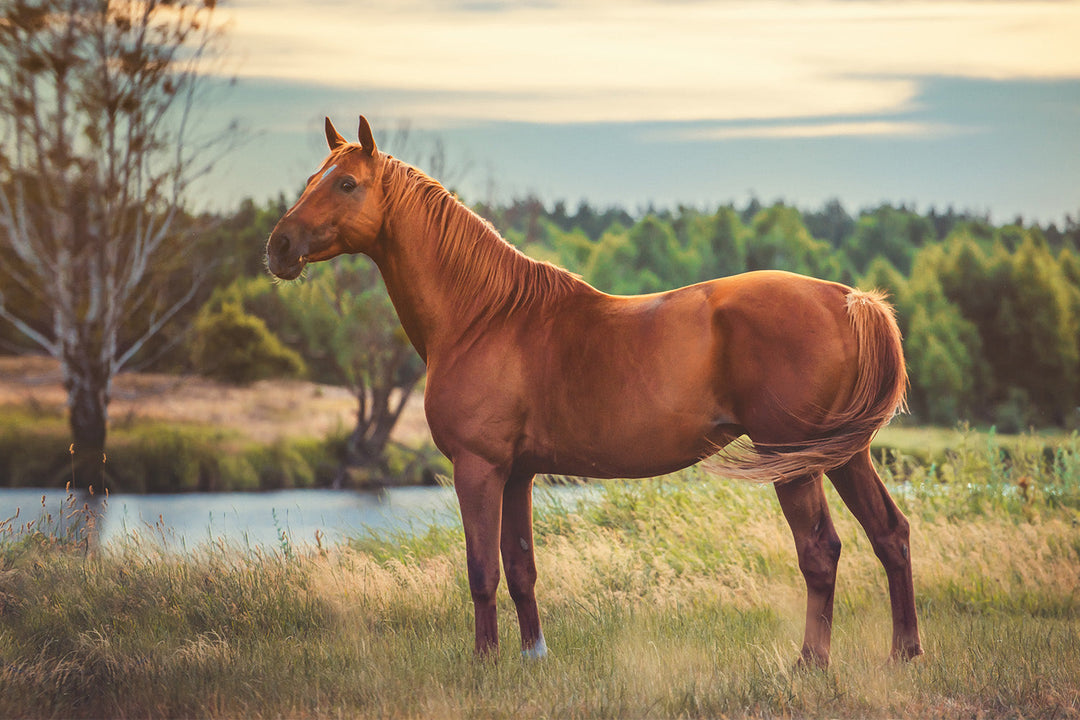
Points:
point(479, 486)
point(519, 562)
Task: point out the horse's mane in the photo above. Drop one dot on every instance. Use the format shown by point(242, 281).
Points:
point(485, 271)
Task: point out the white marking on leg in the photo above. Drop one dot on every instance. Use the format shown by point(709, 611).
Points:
point(524, 544)
point(537, 651)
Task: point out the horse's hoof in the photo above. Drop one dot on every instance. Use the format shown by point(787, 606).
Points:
point(905, 654)
point(812, 661)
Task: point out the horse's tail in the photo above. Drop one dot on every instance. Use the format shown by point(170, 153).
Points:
point(878, 395)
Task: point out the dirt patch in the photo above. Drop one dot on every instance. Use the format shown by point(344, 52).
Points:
point(265, 411)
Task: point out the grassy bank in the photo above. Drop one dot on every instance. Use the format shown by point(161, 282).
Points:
point(677, 597)
point(171, 433)
point(163, 450)
point(172, 456)
point(155, 456)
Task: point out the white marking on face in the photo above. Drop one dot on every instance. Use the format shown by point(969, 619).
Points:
point(327, 172)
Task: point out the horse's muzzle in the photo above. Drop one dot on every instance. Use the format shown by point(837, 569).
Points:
point(284, 257)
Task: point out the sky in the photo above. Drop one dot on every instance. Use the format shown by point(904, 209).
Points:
point(971, 105)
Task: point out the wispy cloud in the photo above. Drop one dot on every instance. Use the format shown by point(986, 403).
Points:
point(634, 60)
point(805, 130)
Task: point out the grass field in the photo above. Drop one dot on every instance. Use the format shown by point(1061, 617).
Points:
point(676, 597)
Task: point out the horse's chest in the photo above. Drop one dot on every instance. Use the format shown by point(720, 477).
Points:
point(475, 411)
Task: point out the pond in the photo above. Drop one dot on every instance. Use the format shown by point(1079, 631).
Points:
point(248, 521)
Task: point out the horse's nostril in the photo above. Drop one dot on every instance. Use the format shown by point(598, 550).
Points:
point(279, 244)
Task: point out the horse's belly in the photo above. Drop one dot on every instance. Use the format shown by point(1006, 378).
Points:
point(631, 449)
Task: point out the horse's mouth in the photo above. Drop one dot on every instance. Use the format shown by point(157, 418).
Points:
point(290, 272)
point(331, 250)
point(287, 258)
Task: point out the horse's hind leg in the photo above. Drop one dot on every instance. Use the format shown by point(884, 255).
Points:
point(862, 491)
point(519, 562)
point(818, 547)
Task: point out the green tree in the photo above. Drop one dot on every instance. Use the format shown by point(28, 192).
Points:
point(724, 251)
point(894, 234)
point(1043, 355)
point(944, 364)
point(832, 223)
point(659, 260)
point(609, 265)
point(779, 240)
point(573, 248)
point(1023, 307)
point(345, 317)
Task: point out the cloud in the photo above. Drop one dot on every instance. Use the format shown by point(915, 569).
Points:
point(602, 60)
point(805, 130)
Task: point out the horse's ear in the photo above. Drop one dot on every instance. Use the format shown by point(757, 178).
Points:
point(333, 137)
point(366, 140)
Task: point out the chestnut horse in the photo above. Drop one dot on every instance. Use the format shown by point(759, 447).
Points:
point(531, 370)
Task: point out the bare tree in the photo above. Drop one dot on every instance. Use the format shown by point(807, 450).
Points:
point(96, 102)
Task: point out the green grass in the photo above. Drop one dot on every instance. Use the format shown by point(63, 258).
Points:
point(929, 443)
point(160, 456)
point(676, 597)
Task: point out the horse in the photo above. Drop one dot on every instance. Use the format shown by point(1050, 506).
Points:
point(777, 377)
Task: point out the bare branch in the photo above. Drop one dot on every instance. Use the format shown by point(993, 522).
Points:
point(155, 327)
point(46, 344)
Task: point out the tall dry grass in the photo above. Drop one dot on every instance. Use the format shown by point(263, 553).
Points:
point(677, 597)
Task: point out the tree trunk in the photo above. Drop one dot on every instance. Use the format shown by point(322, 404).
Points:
point(88, 399)
point(375, 420)
point(367, 441)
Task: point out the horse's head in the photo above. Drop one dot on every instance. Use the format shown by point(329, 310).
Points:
point(340, 210)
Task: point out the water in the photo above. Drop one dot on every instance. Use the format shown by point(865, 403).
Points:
point(258, 520)
point(244, 520)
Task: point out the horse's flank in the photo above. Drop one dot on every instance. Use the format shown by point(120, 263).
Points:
point(877, 396)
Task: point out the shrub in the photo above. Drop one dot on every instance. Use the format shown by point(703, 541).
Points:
point(234, 346)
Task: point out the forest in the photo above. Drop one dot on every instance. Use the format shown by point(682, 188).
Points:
point(990, 313)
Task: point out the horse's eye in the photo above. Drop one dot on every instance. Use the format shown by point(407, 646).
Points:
point(347, 185)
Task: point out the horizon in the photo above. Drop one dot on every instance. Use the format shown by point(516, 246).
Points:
point(970, 105)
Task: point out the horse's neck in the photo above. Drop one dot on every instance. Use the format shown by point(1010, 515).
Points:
point(447, 270)
point(413, 293)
